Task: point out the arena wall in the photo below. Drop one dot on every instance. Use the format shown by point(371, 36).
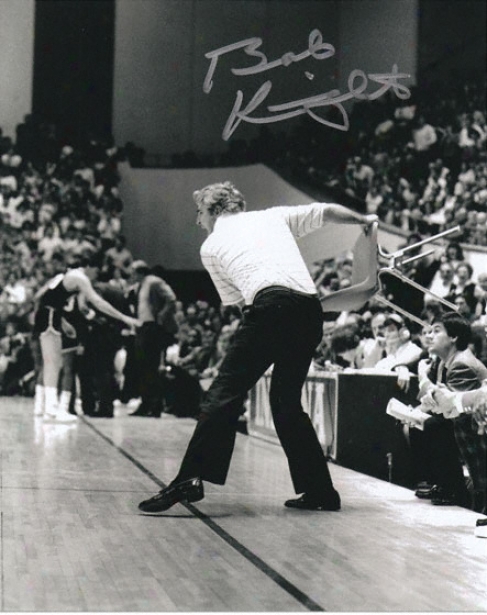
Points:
point(160, 66)
point(16, 69)
point(375, 35)
point(159, 218)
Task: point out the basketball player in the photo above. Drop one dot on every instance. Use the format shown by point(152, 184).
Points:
point(49, 324)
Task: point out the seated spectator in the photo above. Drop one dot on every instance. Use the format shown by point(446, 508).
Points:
point(479, 234)
point(46, 214)
point(400, 350)
point(466, 177)
point(480, 294)
point(434, 453)
point(463, 308)
point(15, 291)
point(109, 225)
point(374, 347)
point(23, 245)
point(324, 355)
point(86, 173)
point(443, 284)
point(470, 226)
point(81, 245)
point(347, 344)
point(16, 358)
point(216, 357)
point(70, 242)
point(119, 255)
point(49, 244)
point(419, 441)
point(373, 199)
point(361, 178)
point(117, 278)
point(190, 353)
point(460, 370)
point(424, 136)
point(454, 254)
point(189, 324)
point(209, 340)
point(181, 385)
point(464, 285)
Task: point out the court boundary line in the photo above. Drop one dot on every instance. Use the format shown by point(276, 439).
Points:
point(251, 557)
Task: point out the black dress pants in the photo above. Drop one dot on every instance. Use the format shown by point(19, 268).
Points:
point(436, 451)
point(150, 342)
point(282, 328)
point(96, 372)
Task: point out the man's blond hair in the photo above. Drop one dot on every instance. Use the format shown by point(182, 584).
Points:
point(220, 198)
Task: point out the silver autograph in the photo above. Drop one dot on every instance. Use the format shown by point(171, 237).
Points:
point(317, 49)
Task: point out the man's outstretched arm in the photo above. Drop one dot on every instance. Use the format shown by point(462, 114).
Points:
point(304, 219)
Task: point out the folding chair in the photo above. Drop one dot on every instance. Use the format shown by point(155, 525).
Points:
point(396, 260)
point(366, 275)
point(335, 239)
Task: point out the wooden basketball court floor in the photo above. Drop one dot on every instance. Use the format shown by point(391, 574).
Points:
point(72, 538)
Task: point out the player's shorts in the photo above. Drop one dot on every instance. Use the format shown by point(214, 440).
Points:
point(48, 319)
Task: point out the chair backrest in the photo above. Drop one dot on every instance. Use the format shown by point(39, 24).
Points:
point(332, 241)
point(327, 242)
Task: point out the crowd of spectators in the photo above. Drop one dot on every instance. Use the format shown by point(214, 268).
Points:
point(445, 274)
point(444, 468)
point(419, 163)
point(58, 203)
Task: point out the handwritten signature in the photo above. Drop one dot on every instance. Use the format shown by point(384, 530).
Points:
point(317, 49)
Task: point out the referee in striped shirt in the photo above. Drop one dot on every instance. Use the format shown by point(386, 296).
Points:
point(254, 261)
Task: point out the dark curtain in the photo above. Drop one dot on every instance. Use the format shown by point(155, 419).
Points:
point(73, 66)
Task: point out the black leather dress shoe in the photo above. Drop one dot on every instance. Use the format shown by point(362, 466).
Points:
point(481, 528)
point(424, 491)
point(148, 412)
point(441, 497)
point(307, 502)
point(186, 491)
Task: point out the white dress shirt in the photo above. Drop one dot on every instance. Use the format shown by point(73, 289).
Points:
point(406, 353)
point(250, 251)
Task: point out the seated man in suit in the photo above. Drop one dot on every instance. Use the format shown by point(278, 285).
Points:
point(460, 370)
point(452, 405)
